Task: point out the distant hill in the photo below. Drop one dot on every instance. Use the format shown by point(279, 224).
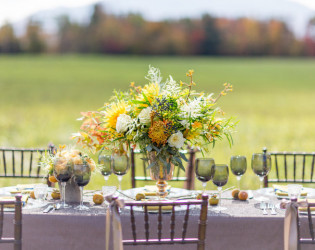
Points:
point(294, 14)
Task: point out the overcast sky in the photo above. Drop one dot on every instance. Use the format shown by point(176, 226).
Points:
point(15, 10)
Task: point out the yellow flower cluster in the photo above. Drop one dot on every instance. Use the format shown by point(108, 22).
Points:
point(158, 133)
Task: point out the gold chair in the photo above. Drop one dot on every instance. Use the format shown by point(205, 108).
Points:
point(17, 239)
point(22, 162)
point(291, 167)
point(199, 240)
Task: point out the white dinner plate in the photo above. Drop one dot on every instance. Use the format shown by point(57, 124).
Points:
point(270, 192)
point(174, 192)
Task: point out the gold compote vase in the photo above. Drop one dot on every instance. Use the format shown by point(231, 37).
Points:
point(160, 173)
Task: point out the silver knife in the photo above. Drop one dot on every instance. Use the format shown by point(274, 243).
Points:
point(48, 209)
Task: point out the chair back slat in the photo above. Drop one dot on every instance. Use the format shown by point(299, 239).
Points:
point(160, 223)
point(172, 224)
point(13, 163)
point(133, 169)
point(4, 163)
point(22, 163)
point(172, 240)
point(146, 223)
point(285, 167)
point(303, 171)
point(294, 167)
point(277, 169)
point(185, 223)
point(133, 224)
point(312, 170)
point(31, 164)
point(38, 166)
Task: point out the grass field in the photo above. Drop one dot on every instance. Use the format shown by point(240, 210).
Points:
point(273, 99)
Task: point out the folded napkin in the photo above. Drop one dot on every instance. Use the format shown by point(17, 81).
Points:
point(304, 209)
point(20, 191)
point(282, 190)
point(11, 198)
point(26, 186)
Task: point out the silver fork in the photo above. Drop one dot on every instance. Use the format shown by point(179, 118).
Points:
point(263, 206)
point(271, 206)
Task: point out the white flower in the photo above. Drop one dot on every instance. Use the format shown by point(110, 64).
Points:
point(176, 140)
point(185, 123)
point(145, 116)
point(170, 87)
point(123, 123)
point(192, 109)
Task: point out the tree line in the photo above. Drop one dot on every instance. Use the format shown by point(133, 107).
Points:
point(132, 34)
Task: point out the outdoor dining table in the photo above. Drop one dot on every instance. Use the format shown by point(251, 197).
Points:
point(241, 226)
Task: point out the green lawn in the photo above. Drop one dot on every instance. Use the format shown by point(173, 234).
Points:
point(273, 99)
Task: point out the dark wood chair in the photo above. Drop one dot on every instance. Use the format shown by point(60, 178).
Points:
point(22, 162)
point(188, 178)
point(17, 239)
point(202, 223)
point(290, 167)
point(310, 219)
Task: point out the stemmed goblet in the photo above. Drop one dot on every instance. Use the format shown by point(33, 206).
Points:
point(261, 165)
point(220, 178)
point(120, 165)
point(238, 166)
point(81, 175)
point(63, 171)
point(106, 169)
point(204, 171)
point(40, 192)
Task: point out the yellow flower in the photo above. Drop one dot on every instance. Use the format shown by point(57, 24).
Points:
point(151, 91)
point(190, 73)
point(190, 134)
point(158, 133)
point(112, 113)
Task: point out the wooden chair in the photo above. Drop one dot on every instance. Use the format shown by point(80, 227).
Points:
point(22, 162)
point(189, 177)
point(291, 167)
point(310, 219)
point(200, 240)
point(17, 240)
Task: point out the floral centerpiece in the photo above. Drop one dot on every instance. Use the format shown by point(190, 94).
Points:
point(60, 168)
point(160, 119)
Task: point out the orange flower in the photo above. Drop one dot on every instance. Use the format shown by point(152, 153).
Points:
point(197, 125)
